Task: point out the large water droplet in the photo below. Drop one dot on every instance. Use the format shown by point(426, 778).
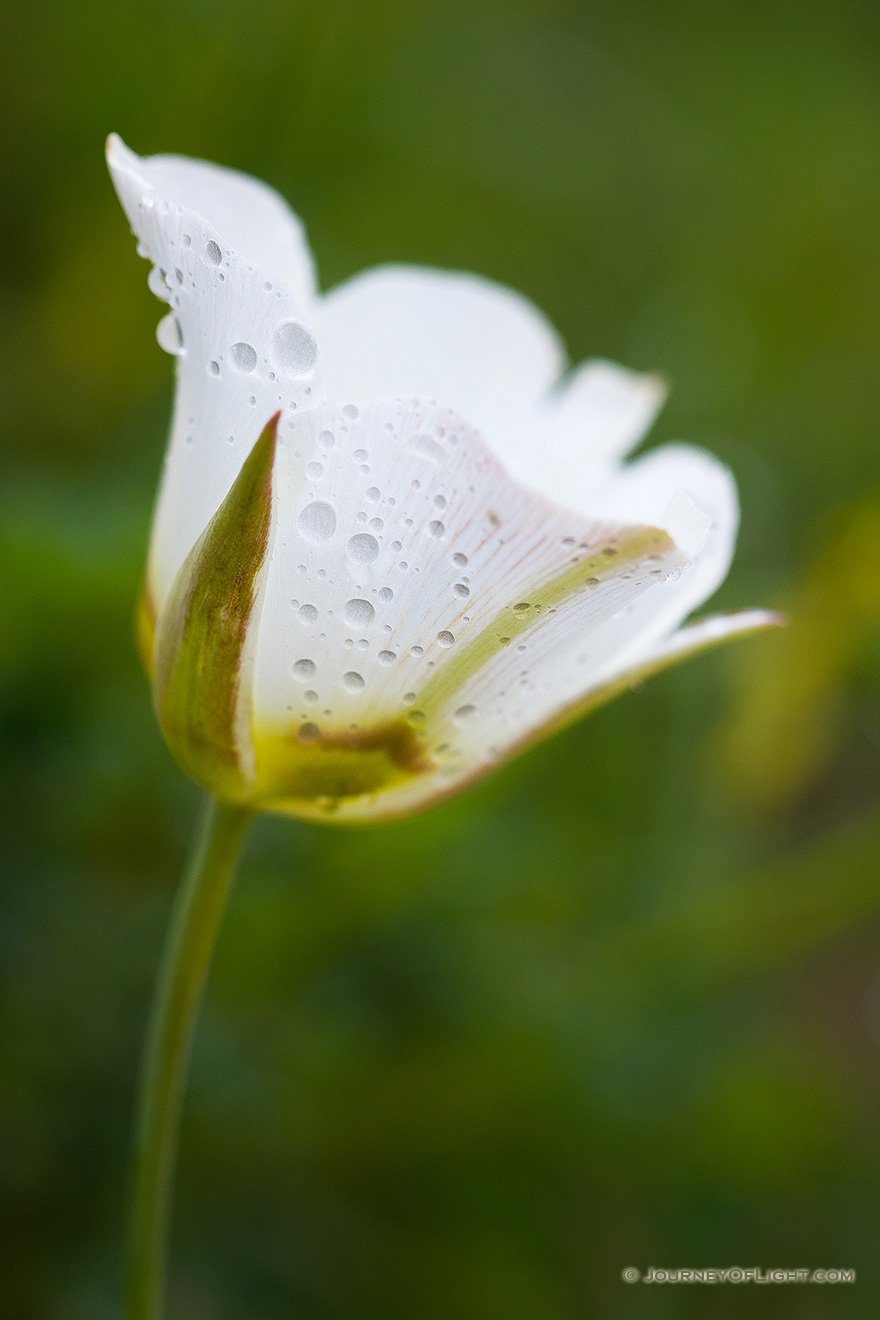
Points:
point(358, 613)
point(363, 547)
point(386, 594)
point(303, 670)
point(386, 657)
point(445, 638)
point(244, 357)
point(169, 335)
point(157, 285)
point(307, 614)
point(352, 682)
point(427, 447)
point(294, 350)
point(213, 252)
point(436, 529)
point(317, 522)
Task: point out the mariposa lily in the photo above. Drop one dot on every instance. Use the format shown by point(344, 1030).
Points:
point(394, 541)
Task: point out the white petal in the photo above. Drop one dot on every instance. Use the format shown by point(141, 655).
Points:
point(474, 345)
point(646, 491)
point(251, 217)
point(403, 555)
point(241, 338)
point(577, 435)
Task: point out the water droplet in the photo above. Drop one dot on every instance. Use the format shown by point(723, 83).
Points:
point(445, 638)
point(358, 613)
point(464, 714)
point(187, 241)
point(360, 455)
point(327, 439)
point(213, 252)
point(416, 717)
point(156, 284)
point(372, 494)
point(418, 650)
point(522, 608)
point(244, 357)
point(437, 530)
point(459, 559)
point(317, 522)
point(591, 582)
point(461, 590)
point(310, 697)
point(308, 733)
point(386, 657)
point(408, 698)
point(439, 502)
point(350, 411)
point(314, 471)
point(293, 349)
point(214, 368)
point(304, 669)
point(363, 547)
point(352, 682)
point(169, 335)
point(377, 525)
point(427, 447)
point(386, 594)
point(307, 614)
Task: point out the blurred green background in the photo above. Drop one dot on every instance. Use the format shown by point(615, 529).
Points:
point(620, 1005)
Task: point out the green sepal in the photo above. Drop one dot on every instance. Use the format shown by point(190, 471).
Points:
point(201, 702)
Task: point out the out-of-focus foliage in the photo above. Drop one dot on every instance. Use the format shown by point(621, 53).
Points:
point(621, 1005)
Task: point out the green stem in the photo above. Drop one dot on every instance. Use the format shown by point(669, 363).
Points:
point(184, 968)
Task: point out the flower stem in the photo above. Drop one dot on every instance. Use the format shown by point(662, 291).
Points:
point(189, 944)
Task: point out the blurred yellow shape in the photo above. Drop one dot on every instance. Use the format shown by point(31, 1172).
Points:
point(782, 729)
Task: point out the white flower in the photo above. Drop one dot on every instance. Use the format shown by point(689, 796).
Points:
point(432, 556)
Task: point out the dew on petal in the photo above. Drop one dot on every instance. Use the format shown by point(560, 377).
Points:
point(352, 681)
point(213, 252)
point(243, 356)
point(418, 650)
point(439, 502)
point(408, 698)
point(314, 471)
point(350, 411)
point(304, 669)
point(360, 455)
point(310, 697)
point(363, 547)
point(445, 638)
point(308, 732)
point(372, 494)
point(307, 614)
point(317, 522)
point(464, 714)
point(437, 530)
point(386, 657)
point(427, 447)
point(358, 613)
point(461, 590)
point(214, 368)
point(169, 335)
point(327, 439)
point(293, 349)
point(459, 559)
point(377, 525)
point(386, 594)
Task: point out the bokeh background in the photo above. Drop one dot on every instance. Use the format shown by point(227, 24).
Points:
point(620, 1005)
